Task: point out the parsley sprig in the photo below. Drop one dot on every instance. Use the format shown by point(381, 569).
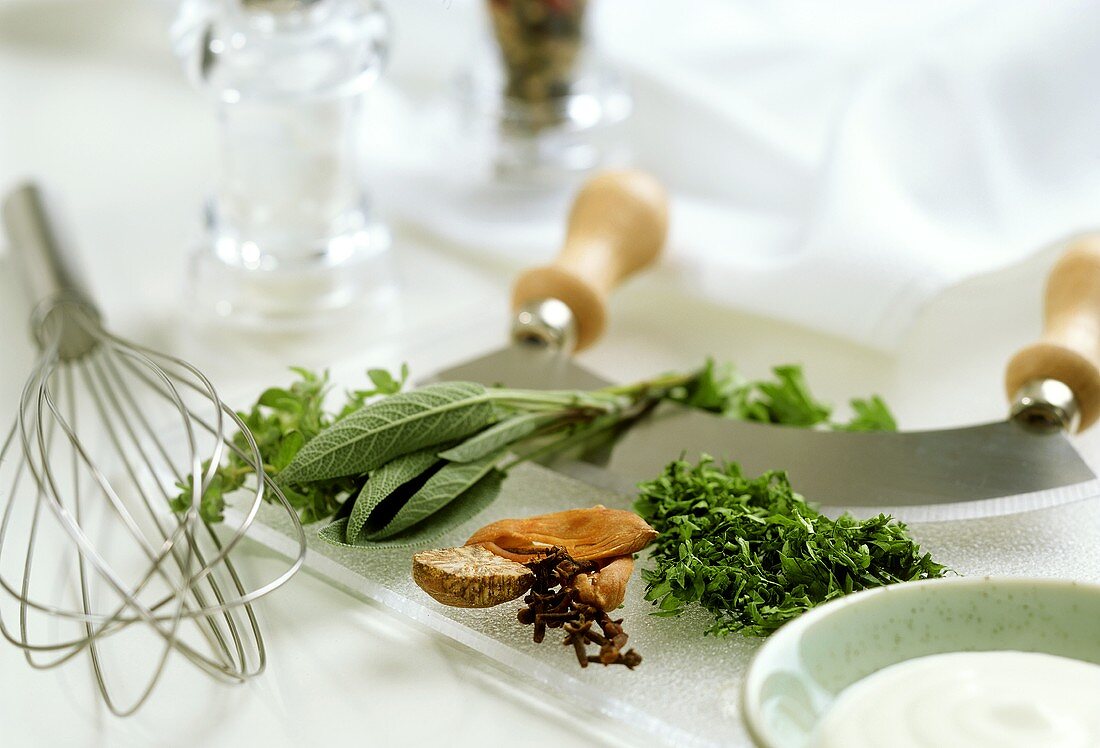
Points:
point(786, 399)
point(755, 554)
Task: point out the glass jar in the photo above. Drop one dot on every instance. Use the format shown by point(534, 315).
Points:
point(559, 102)
point(289, 232)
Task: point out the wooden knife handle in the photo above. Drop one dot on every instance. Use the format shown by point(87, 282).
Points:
point(617, 227)
point(1069, 349)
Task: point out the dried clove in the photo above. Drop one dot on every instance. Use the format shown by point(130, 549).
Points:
point(553, 602)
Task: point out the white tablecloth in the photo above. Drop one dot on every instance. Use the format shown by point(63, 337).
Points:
point(91, 100)
point(857, 156)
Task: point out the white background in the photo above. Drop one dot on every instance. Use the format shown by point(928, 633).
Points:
point(92, 101)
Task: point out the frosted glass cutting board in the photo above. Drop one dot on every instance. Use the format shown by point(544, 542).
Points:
point(687, 689)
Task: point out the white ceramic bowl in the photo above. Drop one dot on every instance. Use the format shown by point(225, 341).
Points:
point(803, 667)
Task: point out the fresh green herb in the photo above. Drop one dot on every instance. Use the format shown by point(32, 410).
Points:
point(387, 461)
point(404, 475)
point(786, 399)
point(755, 554)
point(384, 384)
point(463, 508)
point(443, 486)
point(870, 415)
point(282, 421)
point(426, 450)
point(375, 434)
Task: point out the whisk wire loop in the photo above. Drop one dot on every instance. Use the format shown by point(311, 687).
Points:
point(90, 477)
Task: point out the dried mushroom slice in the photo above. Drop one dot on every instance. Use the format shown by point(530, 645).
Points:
point(591, 534)
point(605, 588)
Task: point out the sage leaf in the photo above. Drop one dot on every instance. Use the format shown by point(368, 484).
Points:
point(388, 428)
point(498, 436)
point(441, 488)
point(461, 510)
point(386, 480)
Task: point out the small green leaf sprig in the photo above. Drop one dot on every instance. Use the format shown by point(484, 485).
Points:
point(282, 421)
point(786, 399)
point(755, 554)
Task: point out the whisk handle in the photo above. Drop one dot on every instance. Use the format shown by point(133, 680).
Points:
point(41, 252)
point(62, 307)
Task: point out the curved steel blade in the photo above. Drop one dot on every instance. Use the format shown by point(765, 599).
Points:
point(996, 468)
point(993, 469)
point(525, 366)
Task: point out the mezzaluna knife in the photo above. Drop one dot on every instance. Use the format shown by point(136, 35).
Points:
point(1023, 463)
point(617, 227)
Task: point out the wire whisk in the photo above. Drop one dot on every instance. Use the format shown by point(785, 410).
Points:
point(93, 558)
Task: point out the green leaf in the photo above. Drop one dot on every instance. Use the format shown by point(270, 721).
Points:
point(384, 481)
point(383, 381)
point(786, 399)
point(336, 533)
point(289, 446)
point(384, 384)
point(397, 425)
point(461, 510)
point(789, 401)
point(441, 488)
point(498, 436)
point(718, 388)
point(278, 398)
point(870, 415)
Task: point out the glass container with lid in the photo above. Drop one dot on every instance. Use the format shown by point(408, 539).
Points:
point(290, 236)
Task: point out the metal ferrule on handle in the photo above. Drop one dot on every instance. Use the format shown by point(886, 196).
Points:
point(63, 312)
point(617, 228)
point(1046, 405)
point(546, 323)
point(1055, 381)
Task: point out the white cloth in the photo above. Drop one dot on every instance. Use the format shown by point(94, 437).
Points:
point(832, 164)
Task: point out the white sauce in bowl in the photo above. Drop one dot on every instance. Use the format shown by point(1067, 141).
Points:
point(969, 700)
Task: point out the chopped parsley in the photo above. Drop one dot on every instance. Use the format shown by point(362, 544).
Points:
point(755, 554)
